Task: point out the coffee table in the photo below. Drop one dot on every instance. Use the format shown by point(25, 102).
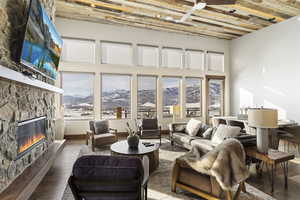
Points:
point(122, 148)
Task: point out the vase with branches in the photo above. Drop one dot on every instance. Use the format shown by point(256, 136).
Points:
point(132, 139)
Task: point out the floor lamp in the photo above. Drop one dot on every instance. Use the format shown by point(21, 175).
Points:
point(262, 119)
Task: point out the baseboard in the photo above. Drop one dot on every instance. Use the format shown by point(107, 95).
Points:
point(75, 137)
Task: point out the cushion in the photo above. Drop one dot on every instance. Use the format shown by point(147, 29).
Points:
point(182, 138)
point(193, 127)
point(101, 127)
point(92, 126)
point(223, 132)
point(203, 144)
point(179, 128)
point(149, 124)
point(202, 129)
point(208, 133)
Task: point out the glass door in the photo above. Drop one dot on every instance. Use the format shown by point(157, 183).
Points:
point(215, 96)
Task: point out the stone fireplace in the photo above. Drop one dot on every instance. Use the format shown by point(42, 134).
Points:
point(30, 133)
point(20, 102)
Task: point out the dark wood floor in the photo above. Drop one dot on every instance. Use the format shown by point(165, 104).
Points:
point(53, 185)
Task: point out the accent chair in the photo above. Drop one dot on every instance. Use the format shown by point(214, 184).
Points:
point(100, 134)
point(150, 129)
point(203, 185)
point(98, 177)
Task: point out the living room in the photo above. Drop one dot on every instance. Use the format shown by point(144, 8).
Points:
point(199, 97)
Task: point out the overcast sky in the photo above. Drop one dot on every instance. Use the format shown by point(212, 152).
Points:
point(78, 84)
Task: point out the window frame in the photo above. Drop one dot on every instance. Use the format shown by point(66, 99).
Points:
point(201, 95)
point(139, 63)
point(93, 93)
point(207, 63)
point(93, 61)
point(172, 67)
point(222, 107)
point(179, 94)
point(101, 96)
point(186, 60)
point(121, 43)
point(156, 93)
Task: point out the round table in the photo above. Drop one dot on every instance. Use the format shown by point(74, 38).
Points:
point(122, 148)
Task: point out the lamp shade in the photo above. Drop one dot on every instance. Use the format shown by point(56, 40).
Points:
point(263, 118)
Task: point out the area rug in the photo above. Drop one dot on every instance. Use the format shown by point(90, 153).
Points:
point(159, 187)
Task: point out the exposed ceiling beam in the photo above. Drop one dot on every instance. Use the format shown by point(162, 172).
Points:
point(160, 14)
point(64, 9)
point(220, 21)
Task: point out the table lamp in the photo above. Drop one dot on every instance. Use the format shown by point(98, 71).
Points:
point(262, 119)
point(175, 111)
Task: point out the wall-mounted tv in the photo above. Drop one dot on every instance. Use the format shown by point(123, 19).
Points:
point(42, 44)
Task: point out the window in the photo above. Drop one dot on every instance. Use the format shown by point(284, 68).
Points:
point(215, 61)
point(78, 99)
point(148, 56)
point(76, 50)
point(147, 97)
point(116, 53)
point(215, 97)
point(171, 96)
point(194, 59)
point(116, 96)
point(172, 57)
point(193, 97)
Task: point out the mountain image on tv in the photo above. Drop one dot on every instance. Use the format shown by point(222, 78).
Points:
point(42, 44)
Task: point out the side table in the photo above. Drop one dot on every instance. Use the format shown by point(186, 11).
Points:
point(273, 158)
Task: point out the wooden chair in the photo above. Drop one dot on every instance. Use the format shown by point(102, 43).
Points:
point(199, 184)
point(100, 134)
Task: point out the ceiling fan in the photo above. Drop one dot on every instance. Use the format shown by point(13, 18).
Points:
point(200, 4)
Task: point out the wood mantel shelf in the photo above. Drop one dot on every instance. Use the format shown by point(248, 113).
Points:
point(12, 75)
point(25, 184)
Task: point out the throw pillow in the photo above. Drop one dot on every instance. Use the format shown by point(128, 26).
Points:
point(208, 133)
point(202, 130)
point(224, 131)
point(193, 127)
point(179, 128)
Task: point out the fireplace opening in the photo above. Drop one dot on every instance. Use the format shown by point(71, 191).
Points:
point(30, 133)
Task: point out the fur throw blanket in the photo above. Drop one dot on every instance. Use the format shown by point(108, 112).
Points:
point(226, 163)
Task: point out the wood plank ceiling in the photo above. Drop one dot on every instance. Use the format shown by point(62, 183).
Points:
point(219, 21)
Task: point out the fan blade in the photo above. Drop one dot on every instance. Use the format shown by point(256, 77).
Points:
point(219, 2)
point(187, 15)
point(197, 6)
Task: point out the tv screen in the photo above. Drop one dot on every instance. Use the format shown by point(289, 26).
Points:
point(42, 44)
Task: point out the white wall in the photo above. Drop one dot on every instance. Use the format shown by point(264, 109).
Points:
point(100, 32)
point(265, 69)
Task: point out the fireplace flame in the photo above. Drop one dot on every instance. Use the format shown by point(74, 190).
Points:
point(31, 141)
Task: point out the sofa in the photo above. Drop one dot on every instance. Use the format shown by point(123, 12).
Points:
point(202, 139)
point(179, 136)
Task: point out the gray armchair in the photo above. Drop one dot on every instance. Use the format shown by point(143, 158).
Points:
point(97, 177)
point(150, 129)
point(100, 134)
